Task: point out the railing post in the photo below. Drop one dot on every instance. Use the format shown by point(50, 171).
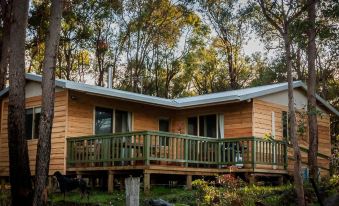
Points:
point(274, 151)
point(285, 155)
point(254, 153)
point(219, 153)
point(147, 148)
point(69, 152)
point(186, 152)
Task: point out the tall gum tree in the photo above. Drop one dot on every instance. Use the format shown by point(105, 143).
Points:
point(281, 15)
point(19, 171)
point(311, 87)
point(5, 7)
point(48, 99)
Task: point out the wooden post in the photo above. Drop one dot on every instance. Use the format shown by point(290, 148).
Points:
point(252, 179)
point(132, 185)
point(189, 182)
point(281, 180)
point(3, 182)
point(186, 152)
point(147, 145)
point(254, 153)
point(147, 182)
point(79, 176)
point(110, 182)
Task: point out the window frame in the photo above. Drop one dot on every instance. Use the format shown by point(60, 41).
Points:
point(166, 142)
point(285, 117)
point(34, 108)
point(198, 124)
point(113, 117)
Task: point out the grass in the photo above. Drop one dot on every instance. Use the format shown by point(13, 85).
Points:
point(178, 196)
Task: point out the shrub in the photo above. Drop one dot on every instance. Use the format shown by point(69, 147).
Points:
point(230, 182)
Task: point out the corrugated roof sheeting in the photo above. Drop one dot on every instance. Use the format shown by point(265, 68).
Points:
point(220, 97)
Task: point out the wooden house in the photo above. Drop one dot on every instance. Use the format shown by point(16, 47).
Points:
point(109, 133)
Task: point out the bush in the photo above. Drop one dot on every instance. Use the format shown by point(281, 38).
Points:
point(230, 182)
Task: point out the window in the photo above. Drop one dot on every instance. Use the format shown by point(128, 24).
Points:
point(285, 125)
point(164, 125)
point(208, 126)
point(192, 126)
point(32, 117)
point(122, 121)
point(104, 121)
point(204, 125)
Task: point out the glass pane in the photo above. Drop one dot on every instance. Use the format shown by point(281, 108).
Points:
point(208, 125)
point(37, 112)
point(192, 126)
point(29, 123)
point(121, 121)
point(103, 120)
point(285, 125)
point(164, 125)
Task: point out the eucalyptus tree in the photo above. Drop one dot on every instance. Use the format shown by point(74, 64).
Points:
point(19, 171)
point(5, 15)
point(229, 21)
point(152, 36)
point(311, 89)
point(280, 16)
point(48, 99)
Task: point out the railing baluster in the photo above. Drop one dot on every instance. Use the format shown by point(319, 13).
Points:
point(106, 150)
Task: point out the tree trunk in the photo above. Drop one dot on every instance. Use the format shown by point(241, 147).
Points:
point(6, 19)
point(298, 181)
point(19, 171)
point(311, 86)
point(48, 97)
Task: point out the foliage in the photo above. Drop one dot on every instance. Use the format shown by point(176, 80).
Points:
point(334, 161)
point(178, 196)
point(234, 191)
point(230, 183)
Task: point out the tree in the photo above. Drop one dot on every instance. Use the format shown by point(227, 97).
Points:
point(5, 8)
point(229, 22)
point(311, 88)
point(48, 98)
point(281, 16)
point(19, 171)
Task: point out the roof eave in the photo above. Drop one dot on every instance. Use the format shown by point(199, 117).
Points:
point(4, 91)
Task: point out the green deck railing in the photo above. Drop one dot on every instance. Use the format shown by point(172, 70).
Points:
point(155, 147)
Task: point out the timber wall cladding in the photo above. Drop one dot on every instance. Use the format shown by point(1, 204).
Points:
point(81, 113)
point(262, 124)
point(237, 118)
point(58, 136)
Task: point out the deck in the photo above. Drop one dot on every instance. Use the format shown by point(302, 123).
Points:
point(155, 152)
point(146, 149)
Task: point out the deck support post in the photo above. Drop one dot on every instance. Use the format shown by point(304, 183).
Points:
point(189, 182)
point(79, 176)
point(110, 181)
point(281, 180)
point(147, 182)
point(2, 183)
point(50, 184)
point(252, 179)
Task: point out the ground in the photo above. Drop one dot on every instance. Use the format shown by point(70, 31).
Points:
point(228, 191)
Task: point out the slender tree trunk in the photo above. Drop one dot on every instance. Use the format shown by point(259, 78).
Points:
point(311, 84)
point(19, 171)
point(48, 97)
point(6, 18)
point(298, 181)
